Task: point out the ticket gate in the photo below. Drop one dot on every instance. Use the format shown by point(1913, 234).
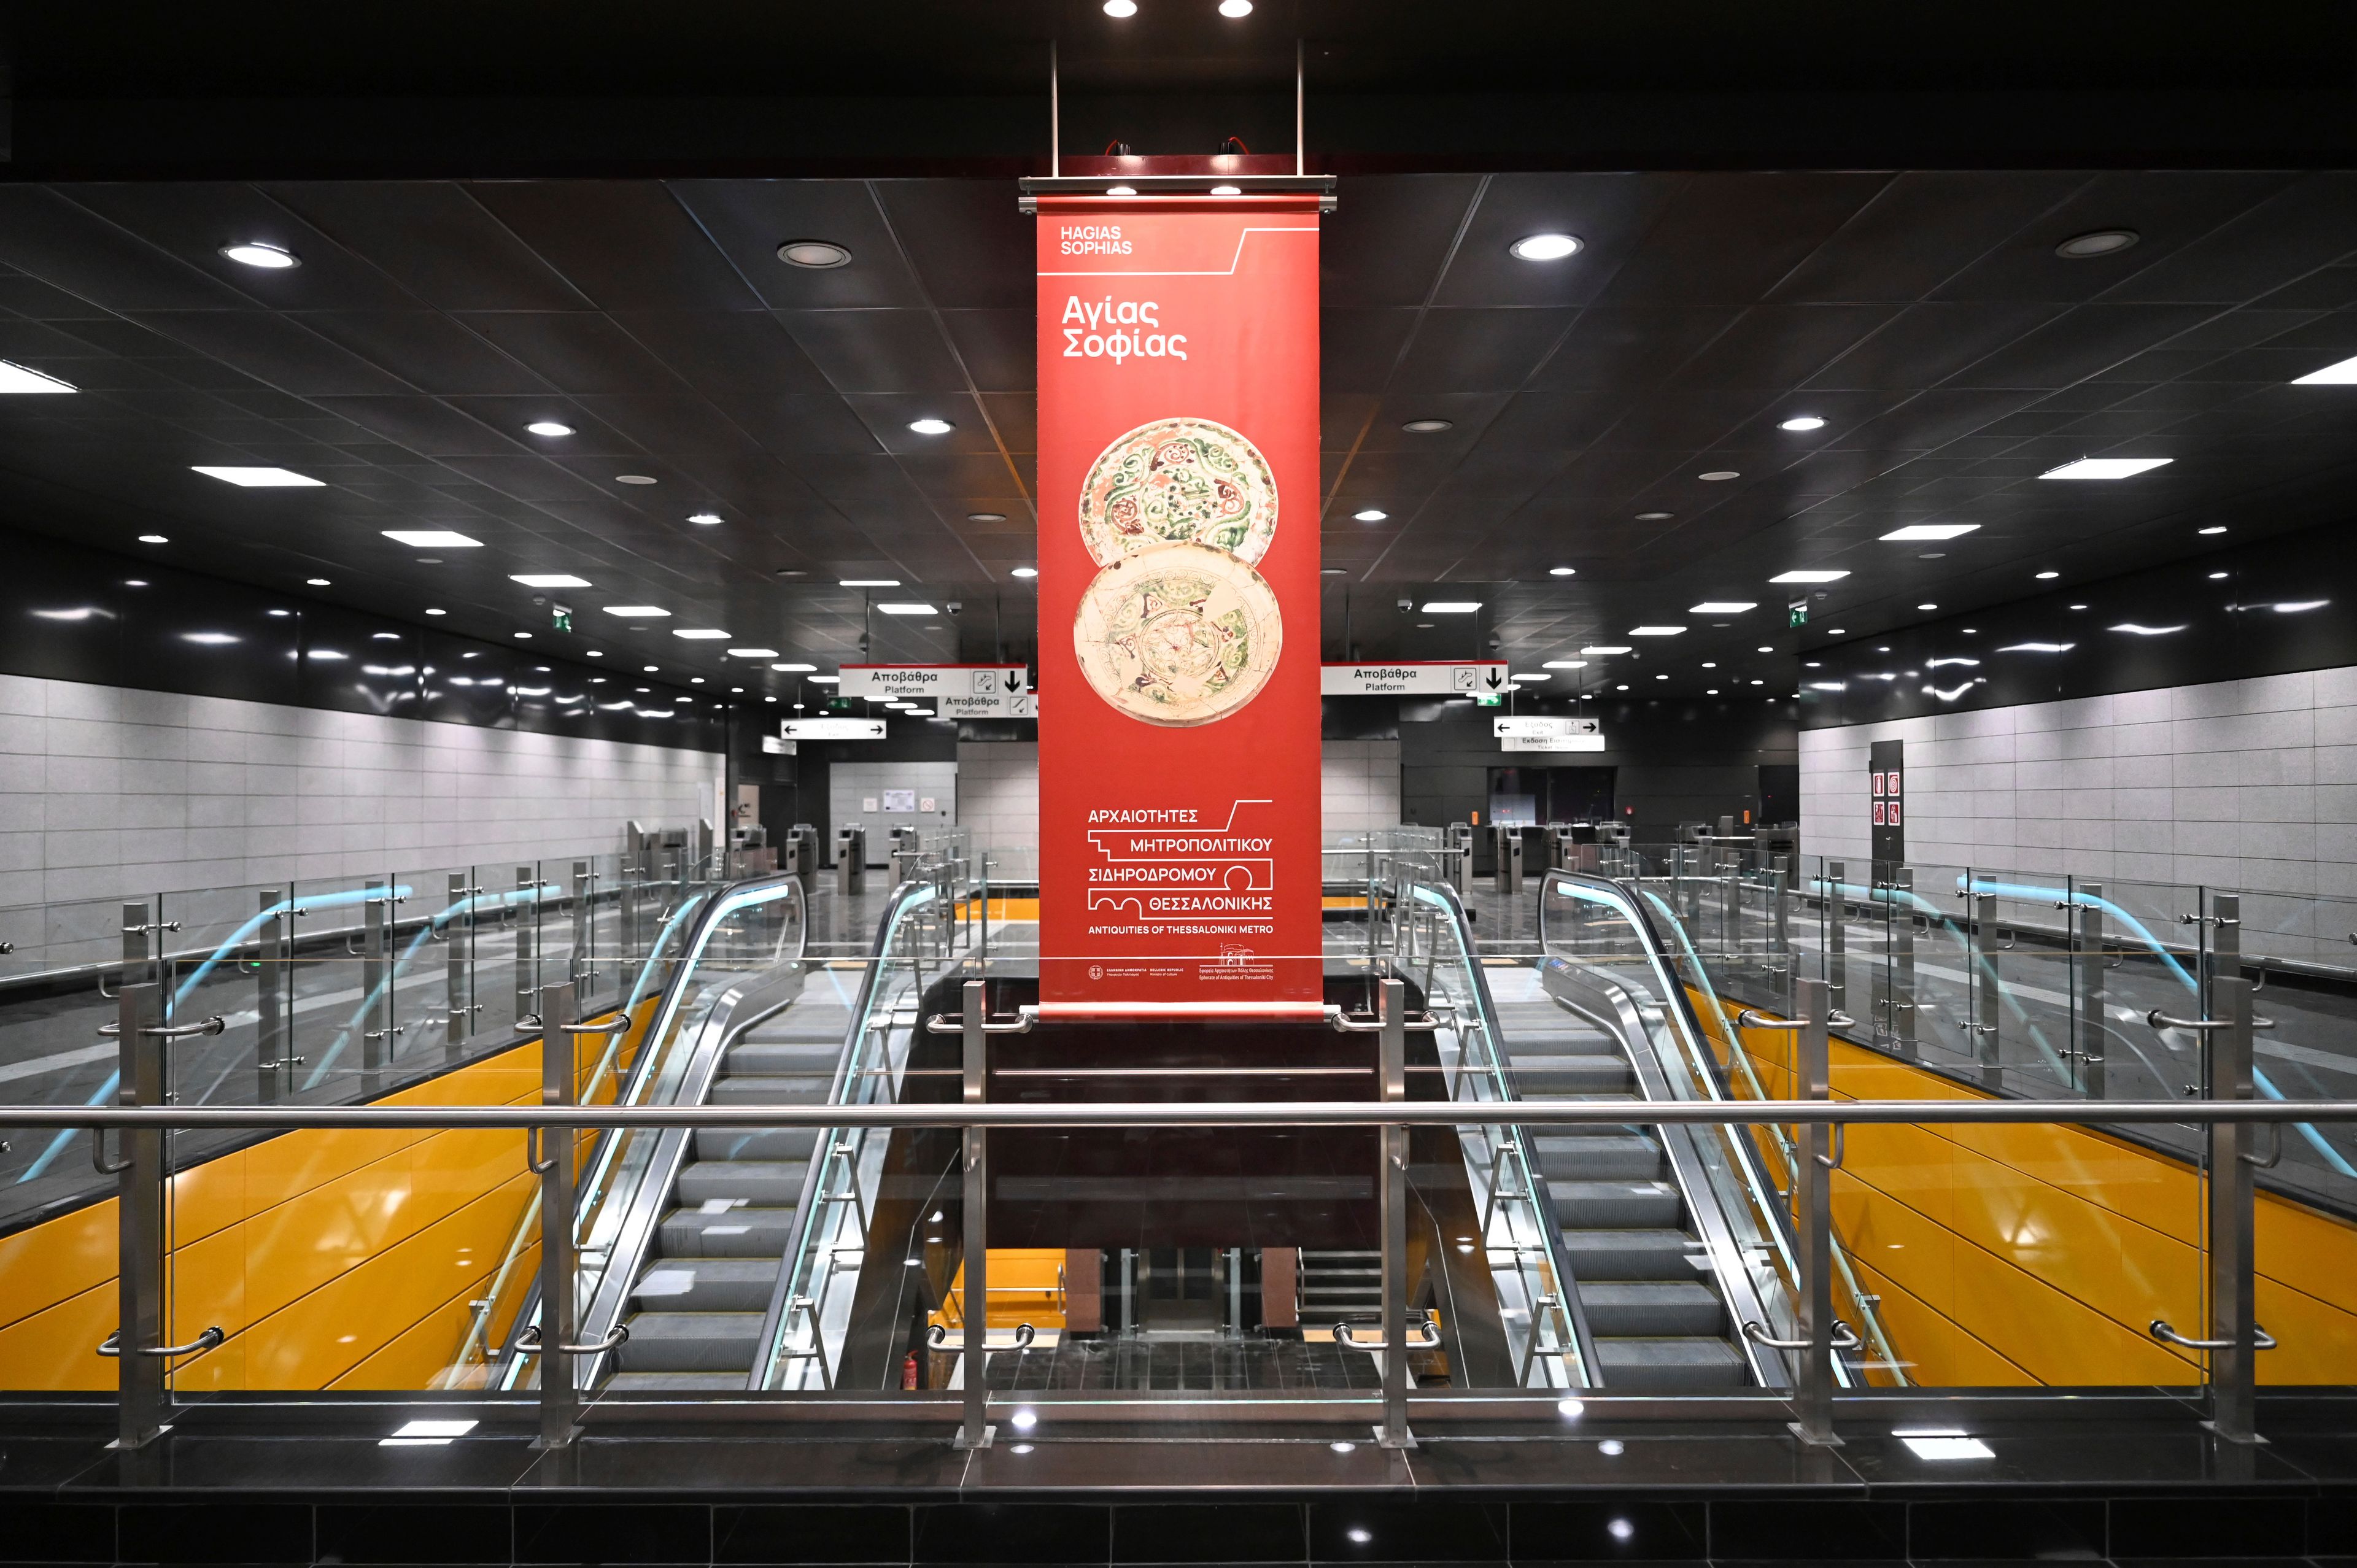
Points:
point(1457, 858)
point(798, 856)
point(851, 858)
point(1506, 859)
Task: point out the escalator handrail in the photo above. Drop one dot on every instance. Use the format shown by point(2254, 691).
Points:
point(850, 1067)
point(1542, 1197)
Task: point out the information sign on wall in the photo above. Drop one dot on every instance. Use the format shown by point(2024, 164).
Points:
point(1179, 768)
point(1413, 678)
point(1887, 797)
point(910, 681)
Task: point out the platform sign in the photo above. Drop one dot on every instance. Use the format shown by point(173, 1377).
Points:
point(1414, 677)
point(1179, 600)
point(830, 729)
point(987, 705)
point(910, 681)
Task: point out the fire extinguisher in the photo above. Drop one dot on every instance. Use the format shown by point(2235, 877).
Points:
point(909, 1379)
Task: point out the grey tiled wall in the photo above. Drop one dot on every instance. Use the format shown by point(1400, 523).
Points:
point(106, 792)
point(2249, 784)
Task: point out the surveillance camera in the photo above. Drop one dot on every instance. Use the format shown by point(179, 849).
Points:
point(955, 606)
point(539, 599)
point(1406, 604)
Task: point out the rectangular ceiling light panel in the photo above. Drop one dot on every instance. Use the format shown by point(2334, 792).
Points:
point(1452, 606)
point(702, 634)
point(432, 538)
point(2106, 467)
point(909, 610)
point(1915, 530)
point(637, 612)
point(261, 478)
point(1655, 630)
point(2343, 374)
point(15, 377)
point(1722, 607)
point(1808, 575)
point(549, 580)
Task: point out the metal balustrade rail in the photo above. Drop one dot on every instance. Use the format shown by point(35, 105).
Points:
point(2229, 1342)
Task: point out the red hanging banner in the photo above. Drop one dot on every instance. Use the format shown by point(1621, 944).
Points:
point(1179, 636)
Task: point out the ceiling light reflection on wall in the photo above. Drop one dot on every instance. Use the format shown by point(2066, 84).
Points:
point(1428, 426)
point(1235, 10)
point(316, 581)
point(2298, 606)
point(791, 669)
point(706, 519)
point(1227, 190)
point(1808, 574)
point(2214, 528)
point(2106, 467)
point(752, 653)
point(2133, 630)
point(1024, 572)
point(869, 583)
point(1566, 663)
point(253, 479)
point(261, 253)
point(1719, 476)
point(637, 612)
point(208, 638)
point(2341, 374)
point(432, 538)
point(1933, 530)
point(16, 378)
point(1563, 571)
point(816, 254)
point(1601, 650)
point(1545, 247)
point(2048, 576)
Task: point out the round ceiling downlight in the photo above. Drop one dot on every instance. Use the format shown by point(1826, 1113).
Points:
point(1428, 426)
point(985, 517)
point(548, 427)
point(1545, 247)
point(1121, 7)
point(931, 427)
point(261, 253)
point(815, 254)
point(1803, 422)
point(1235, 10)
point(1719, 476)
point(2100, 242)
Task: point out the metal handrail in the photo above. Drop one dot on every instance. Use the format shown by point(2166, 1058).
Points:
point(112, 1345)
point(2159, 1329)
point(1843, 1338)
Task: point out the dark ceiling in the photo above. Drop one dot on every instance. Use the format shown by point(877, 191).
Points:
point(1925, 317)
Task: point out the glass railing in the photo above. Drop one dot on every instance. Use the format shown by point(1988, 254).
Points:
point(329, 991)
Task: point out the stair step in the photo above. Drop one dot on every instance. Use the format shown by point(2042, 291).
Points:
point(1615, 1205)
point(692, 1342)
point(707, 1284)
point(767, 1088)
point(749, 1232)
point(1671, 1365)
point(1547, 1077)
point(760, 1182)
point(1629, 1254)
point(1599, 1157)
point(656, 1383)
point(755, 1144)
point(1651, 1307)
point(793, 1058)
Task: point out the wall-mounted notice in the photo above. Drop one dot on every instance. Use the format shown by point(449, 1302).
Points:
point(899, 800)
point(1179, 787)
point(908, 681)
point(1886, 770)
point(1413, 678)
point(830, 729)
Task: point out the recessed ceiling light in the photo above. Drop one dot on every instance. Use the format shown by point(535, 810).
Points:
point(791, 668)
point(2217, 576)
point(1932, 555)
point(1599, 649)
point(648, 668)
point(2297, 606)
point(1545, 247)
point(548, 579)
point(2214, 528)
point(1803, 422)
point(1024, 572)
point(2340, 374)
point(1808, 574)
point(1933, 530)
point(15, 377)
point(2134, 629)
point(985, 517)
point(432, 538)
point(817, 254)
point(1120, 190)
point(637, 612)
point(522, 636)
point(1655, 516)
point(316, 581)
point(1655, 630)
point(2106, 467)
point(2078, 606)
point(261, 478)
point(1838, 631)
point(1227, 190)
point(432, 612)
point(707, 518)
point(1563, 571)
point(548, 427)
point(1528, 675)
point(871, 582)
point(752, 653)
point(929, 425)
point(271, 612)
point(1121, 7)
point(597, 653)
point(2100, 242)
point(908, 609)
point(1235, 9)
point(1566, 663)
point(1719, 476)
point(827, 680)
point(1621, 688)
point(1722, 608)
point(1927, 607)
point(1428, 426)
point(261, 253)
point(1452, 606)
point(634, 479)
point(2048, 576)
point(1370, 514)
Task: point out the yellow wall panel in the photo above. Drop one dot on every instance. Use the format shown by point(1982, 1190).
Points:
point(57, 1347)
point(284, 1168)
point(420, 1354)
point(59, 1258)
point(209, 1197)
point(1935, 1352)
point(2150, 1189)
point(2121, 1268)
point(207, 1288)
point(2307, 1251)
point(295, 1247)
point(1914, 1165)
point(2050, 1335)
point(2315, 1342)
point(1896, 1242)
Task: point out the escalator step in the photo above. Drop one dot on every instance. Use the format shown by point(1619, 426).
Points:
point(1658, 1307)
point(1628, 1254)
point(755, 1144)
point(1599, 1157)
point(1671, 1365)
point(763, 1090)
point(707, 1284)
point(815, 1059)
point(1615, 1205)
point(691, 1342)
point(1551, 1076)
point(746, 1232)
point(761, 1182)
point(824, 1027)
point(655, 1383)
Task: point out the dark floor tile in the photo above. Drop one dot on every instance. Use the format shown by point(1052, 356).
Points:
point(1428, 1529)
point(215, 1533)
point(1014, 1532)
point(28, 1463)
point(1609, 1531)
point(1210, 1532)
point(330, 1466)
point(1997, 1527)
point(903, 1467)
point(1633, 1461)
point(2210, 1561)
point(2214, 1527)
point(1181, 1467)
point(39, 1531)
point(2332, 1525)
point(2175, 1454)
point(811, 1533)
point(1813, 1528)
point(613, 1532)
point(437, 1531)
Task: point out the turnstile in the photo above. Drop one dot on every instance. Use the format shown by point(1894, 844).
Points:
point(851, 858)
point(798, 856)
point(1506, 859)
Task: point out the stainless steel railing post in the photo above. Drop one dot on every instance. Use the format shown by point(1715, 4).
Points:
point(1988, 1000)
point(376, 1002)
point(1393, 1433)
point(270, 1058)
point(2092, 941)
point(527, 926)
point(974, 1430)
point(551, 1154)
point(1813, 1389)
point(1903, 962)
point(140, 1220)
point(2233, 1372)
point(1837, 914)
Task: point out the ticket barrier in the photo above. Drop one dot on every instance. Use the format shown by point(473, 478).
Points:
point(851, 858)
point(1457, 858)
point(798, 856)
point(1506, 859)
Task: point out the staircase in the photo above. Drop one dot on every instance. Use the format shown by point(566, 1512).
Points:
point(1653, 1311)
point(1339, 1286)
point(700, 1301)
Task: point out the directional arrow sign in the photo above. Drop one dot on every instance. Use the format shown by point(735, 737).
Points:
point(915, 681)
point(1412, 678)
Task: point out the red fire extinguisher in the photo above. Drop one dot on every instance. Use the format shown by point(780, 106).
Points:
point(908, 1372)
